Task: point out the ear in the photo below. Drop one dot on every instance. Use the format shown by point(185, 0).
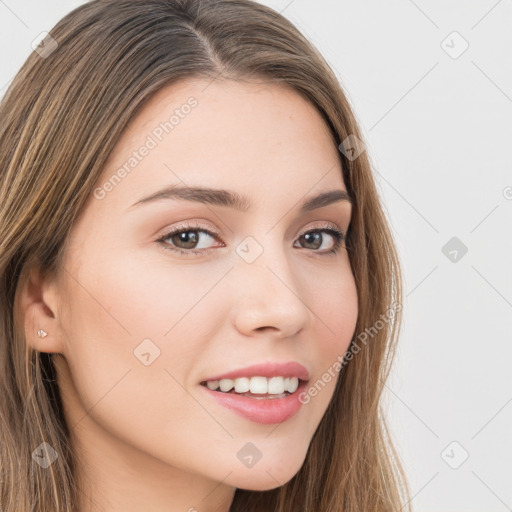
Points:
point(38, 303)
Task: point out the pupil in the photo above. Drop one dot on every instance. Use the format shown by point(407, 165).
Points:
point(187, 239)
point(317, 238)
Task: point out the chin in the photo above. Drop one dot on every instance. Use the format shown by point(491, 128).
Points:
point(265, 478)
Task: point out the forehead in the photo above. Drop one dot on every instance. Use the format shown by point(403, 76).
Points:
point(256, 137)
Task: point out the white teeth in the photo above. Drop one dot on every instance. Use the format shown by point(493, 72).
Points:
point(242, 385)
point(257, 385)
point(293, 384)
point(226, 385)
point(276, 385)
point(213, 384)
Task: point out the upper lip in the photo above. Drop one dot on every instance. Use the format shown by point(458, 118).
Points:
point(274, 369)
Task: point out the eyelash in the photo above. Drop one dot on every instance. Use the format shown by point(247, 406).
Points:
point(338, 236)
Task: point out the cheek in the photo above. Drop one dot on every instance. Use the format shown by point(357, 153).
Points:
point(336, 312)
point(126, 315)
point(123, 371)
point(137, 295)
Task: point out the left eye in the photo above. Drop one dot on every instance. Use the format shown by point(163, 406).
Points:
point(185, 239)
point(315, 237)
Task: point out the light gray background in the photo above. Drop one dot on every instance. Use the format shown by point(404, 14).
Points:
point(438, 130)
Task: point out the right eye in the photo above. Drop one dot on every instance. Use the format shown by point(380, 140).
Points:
point(184, 239)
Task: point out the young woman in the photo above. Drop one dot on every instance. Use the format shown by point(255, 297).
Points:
point(200, 294)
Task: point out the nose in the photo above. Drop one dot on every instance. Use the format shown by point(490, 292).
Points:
point(268, 297)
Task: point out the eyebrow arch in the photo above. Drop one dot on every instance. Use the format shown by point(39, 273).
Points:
point(229, 199)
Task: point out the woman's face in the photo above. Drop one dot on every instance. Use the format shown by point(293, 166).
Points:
point(144, 322)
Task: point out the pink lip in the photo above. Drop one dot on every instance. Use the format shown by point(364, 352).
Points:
point(289, 369)
point(265, 411)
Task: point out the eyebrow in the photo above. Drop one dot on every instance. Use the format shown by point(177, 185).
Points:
point(229, 199)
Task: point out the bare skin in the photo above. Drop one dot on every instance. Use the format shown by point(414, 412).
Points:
point(148, 436)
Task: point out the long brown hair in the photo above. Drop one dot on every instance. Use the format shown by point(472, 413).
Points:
point(61, 118)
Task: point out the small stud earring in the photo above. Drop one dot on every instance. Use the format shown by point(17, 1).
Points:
point(41, 333)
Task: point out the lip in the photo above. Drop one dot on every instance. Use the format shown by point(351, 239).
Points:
point(265, 410)
point(274, 369)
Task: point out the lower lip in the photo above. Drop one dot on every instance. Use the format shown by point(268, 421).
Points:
point(265, 411)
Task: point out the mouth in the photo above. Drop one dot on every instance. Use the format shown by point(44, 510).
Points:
point(255, 403)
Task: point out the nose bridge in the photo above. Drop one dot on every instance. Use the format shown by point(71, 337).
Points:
point(269, 294)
